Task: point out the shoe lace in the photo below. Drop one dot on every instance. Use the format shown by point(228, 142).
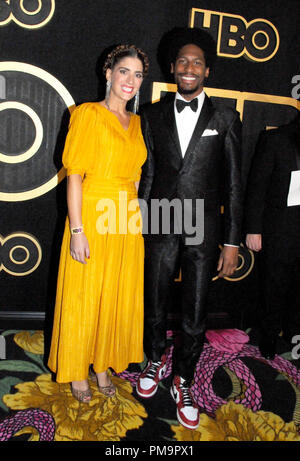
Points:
point(186, 396)
point(151, 372)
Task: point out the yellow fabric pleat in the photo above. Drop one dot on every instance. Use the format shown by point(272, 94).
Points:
point(98, 315)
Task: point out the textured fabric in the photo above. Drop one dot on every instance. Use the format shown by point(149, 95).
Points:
point(210, 170)
point(99, 305)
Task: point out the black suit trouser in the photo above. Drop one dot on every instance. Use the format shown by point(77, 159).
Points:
point(279, 264)
point(162, 262)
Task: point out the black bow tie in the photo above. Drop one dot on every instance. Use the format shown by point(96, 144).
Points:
point(180, 104)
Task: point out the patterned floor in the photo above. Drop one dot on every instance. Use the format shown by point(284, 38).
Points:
point(242, 397)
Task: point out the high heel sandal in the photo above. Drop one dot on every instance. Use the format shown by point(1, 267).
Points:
point(82, 396)
point(108, 391)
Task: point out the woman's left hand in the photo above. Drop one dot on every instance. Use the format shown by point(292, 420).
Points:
point(79, 248)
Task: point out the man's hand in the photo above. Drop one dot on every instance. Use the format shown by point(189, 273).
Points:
point(254, 242)
point(228, 261)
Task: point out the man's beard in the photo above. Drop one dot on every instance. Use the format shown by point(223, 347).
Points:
point(188, 91)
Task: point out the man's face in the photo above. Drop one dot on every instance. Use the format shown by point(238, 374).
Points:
point(190, 71)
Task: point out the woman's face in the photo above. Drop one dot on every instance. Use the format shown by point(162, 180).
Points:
point(126, 78)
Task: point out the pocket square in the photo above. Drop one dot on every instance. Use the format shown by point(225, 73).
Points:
point(208, 132)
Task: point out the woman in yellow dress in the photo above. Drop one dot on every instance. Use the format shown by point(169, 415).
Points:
point(99, 302)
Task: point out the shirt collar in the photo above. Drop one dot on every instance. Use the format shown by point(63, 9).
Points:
point(200, 98)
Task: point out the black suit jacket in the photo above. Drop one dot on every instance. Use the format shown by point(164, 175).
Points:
point(210, 169)
point(266, 212)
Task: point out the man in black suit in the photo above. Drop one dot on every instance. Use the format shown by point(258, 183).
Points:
point(193, 153)
point(273, 228)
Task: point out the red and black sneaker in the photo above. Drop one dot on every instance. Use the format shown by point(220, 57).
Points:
point(187, 410)
point(153, 373)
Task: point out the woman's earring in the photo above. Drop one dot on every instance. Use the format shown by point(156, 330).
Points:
point(136, 102)
point(107, 92)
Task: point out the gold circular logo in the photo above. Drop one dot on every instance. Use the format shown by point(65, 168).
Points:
point(31, 14)
point(38, 133)
point(34, 114)
point(20, 254)
point(245, 265)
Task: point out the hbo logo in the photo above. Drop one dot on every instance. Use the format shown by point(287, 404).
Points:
point(235, 37)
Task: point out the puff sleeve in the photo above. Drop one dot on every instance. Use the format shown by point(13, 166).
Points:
point(76, 152)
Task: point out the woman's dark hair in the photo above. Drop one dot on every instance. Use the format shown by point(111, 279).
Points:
point(125, 51)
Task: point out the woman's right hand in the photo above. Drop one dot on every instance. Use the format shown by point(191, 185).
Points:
point(79, 248)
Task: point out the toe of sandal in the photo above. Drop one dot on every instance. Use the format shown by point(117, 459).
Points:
point(108, 391)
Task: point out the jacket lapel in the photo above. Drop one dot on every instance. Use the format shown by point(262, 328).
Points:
point(169, 116)
point(205, 116)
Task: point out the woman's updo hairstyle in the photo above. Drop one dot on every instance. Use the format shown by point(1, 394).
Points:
point(125, 51)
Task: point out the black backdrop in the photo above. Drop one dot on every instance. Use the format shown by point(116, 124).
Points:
point(64, 41)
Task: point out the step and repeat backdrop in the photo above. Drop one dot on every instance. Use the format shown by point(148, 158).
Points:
point(51, 55)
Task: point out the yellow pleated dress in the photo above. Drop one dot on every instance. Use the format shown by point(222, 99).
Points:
point(98, 315)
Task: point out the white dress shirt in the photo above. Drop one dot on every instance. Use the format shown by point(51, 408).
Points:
point(186, 121)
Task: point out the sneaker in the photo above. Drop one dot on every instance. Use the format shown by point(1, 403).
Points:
point(187, 411)
point(148, 381)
